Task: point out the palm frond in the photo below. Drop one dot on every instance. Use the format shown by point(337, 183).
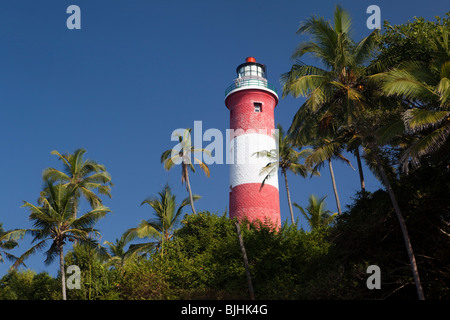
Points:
point(170, 162)
point(143, 230)
point(316, 213)
point(202, 150)
point(98, 249)
point(301, 169)
point(324, 35)
point(404, 83)
point(165, 155)
point(345, 160)
point(365, 48)
point(89, 219)
point(388, 132)
point(307, 47)
point(54, 175)
point(9, 256)
point(37, 247)
point(77, 159)
point(203, 166)
point(91, 197)
point(105, 190)
point(424, 145)
point(136, 249)
point(270, 154)
point(308, 85)
point(342, 21)
point(323, 152)
point(302, 211)
point(99, 177)
point(419, 119)
point(13, 235)
point(61, 157)
point(51, 253)
point(443, 87)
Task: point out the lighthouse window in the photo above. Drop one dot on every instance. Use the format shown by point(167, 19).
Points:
point(258, 106)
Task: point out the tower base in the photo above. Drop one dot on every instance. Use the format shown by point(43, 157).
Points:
point(248, 202)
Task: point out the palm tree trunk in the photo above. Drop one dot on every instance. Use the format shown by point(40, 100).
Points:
point(75, 204)
point(406, 238)
point(63, 274)
point(288, 195)
point(90, 274)
point(361, 174)
point(188, 186)
point(244, 255)
point(338, 203)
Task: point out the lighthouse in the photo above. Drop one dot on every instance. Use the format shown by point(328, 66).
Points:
point(251, 100)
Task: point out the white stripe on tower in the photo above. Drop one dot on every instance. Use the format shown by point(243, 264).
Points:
point(246, 166)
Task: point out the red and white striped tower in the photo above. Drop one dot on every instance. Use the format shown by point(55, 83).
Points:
point(251, 100)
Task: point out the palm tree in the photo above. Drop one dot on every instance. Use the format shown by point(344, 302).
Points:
point(285, 158)
point(6, 245)
point(426, 86)
point(117, 253)
point(324, 150)
point(84, 176)
point(384, 178)
point(246, 264)
point(335, 93)
point(171, 157)
point(55, 222)
point(316, 213)
point(161, 228)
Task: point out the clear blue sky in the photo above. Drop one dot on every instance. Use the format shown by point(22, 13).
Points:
point(136, 71)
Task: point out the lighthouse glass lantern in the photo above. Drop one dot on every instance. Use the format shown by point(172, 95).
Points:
point(251, 100)
point(251, 69)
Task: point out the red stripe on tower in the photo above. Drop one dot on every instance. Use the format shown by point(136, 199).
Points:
point(251, 100)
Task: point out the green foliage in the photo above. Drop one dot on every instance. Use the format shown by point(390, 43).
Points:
point(97, 280)
point(204, 259)
point(27, 285)
point(410, 41)
point(55, 222)
point(369, 234)
point(6, 245)
point(167, 214)
point(204, 254)
point(425, 87)
point(281, 261)
point(184, 157)
point(141, 281)
point(316, 213)
point(84, 176)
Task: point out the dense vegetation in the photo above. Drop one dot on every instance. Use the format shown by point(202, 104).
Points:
point(384, 99)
